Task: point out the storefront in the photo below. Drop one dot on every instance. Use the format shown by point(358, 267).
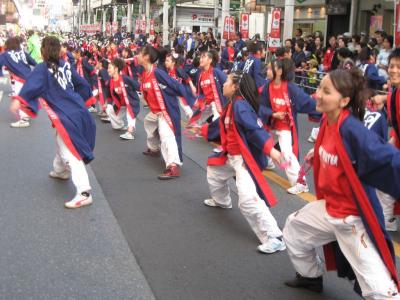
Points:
point(191, 19)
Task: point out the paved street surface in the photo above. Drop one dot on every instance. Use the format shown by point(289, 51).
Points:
point(142, 238)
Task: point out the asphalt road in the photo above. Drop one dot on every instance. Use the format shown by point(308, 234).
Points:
point(142, 238)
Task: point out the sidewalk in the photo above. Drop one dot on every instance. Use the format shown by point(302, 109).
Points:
point(47, 251)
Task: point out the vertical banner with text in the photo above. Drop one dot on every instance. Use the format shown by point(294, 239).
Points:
point(229, 28)
point(397, 31)
point(152, 27)
point(244, 25)
point(275, 35)
point(137, 26)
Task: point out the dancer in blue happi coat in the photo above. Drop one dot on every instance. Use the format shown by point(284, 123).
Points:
point(64, 95)
point(18, 64)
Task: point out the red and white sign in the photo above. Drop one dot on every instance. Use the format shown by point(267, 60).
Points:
point(229, 28)
point(275, 34)
point(90, 28)
point(244, 25)
point(137, 26)
point(108, 27)
point(152, 27)
point(143, 24)
point(114, 27)
point(397, 33)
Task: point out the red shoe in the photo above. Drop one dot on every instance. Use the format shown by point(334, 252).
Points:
point(152, 153)
point(170, 173)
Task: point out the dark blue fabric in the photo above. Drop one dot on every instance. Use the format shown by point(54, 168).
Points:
point(18, 62)
point(64, 97)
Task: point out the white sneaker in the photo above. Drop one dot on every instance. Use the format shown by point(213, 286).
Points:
point(391, 225)
point(79, 201)
point(20, 124)
point(127, 136)
point(62, 175)
point(212, 203)
point(92, 109)
point(105, 120)
point(272, 245)
point(271, 164)
point(123, 128)
point(298, 188)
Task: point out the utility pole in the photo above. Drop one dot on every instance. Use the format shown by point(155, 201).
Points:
point(165, 23)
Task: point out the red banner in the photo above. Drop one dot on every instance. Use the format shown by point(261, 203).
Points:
point(108, 27)
point(397, 32)
point(275, 34)
point(229, 28)
point(114, 27)
point(90, 28)
point(143, 24)
point(152, 27)
point(244, 25)
point(137, 26)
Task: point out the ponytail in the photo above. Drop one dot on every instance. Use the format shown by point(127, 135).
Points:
point(247, 88)
point(351, 83)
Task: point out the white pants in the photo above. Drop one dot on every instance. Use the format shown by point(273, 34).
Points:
point(160, 135)
point(209, 110)
point(17, 86)
point(118, 120)
point(285, 143)
point(253, 208)
point(65, 160)
point(311, 227)
point(387, 203)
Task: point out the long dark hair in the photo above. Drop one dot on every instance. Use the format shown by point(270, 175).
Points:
point(152, 52)
point(351, 83)
point(286, 65)
point(246, 88)
point(51, 49)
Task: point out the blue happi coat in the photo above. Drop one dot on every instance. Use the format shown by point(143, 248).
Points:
point(132, 87)
point(300, 102)
point(170, 90)
point(18, 62)
point(376, 166)
point(64, 95)
point(253, 67)
point(253, 139)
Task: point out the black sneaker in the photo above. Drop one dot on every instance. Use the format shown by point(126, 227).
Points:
point(312, 284)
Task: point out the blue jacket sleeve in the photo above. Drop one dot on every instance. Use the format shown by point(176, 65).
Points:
point(81, 86)
point(248, 120)
point(35, 86)
point(265, 110)
point(176, 88)
point(376, 162)
point(372, 74)
point(303, 102)
point(30, 60)
point(132, 88)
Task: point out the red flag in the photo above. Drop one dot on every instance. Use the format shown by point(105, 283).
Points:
point(275, 35)
point(244, 25)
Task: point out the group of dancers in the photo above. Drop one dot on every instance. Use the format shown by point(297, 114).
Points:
point(244, 111)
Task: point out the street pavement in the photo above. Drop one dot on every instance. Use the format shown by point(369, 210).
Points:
point(142, 238)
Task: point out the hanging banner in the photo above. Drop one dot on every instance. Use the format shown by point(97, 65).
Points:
point(375, 24)
point(152, 27)
point(143, 24)
point(229, 28)
point(275, 34)
point(90, 28)
point(114, 27)
point(397, 33)
point(232, 29)
point(137, 26)
point(244, 25)
point(108, 27)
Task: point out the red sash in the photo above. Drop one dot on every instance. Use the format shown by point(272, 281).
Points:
point(393, 132)
point(125, 99)
point(160, 98)
point(360, 195)
point(215, 92)
point(79, 67)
